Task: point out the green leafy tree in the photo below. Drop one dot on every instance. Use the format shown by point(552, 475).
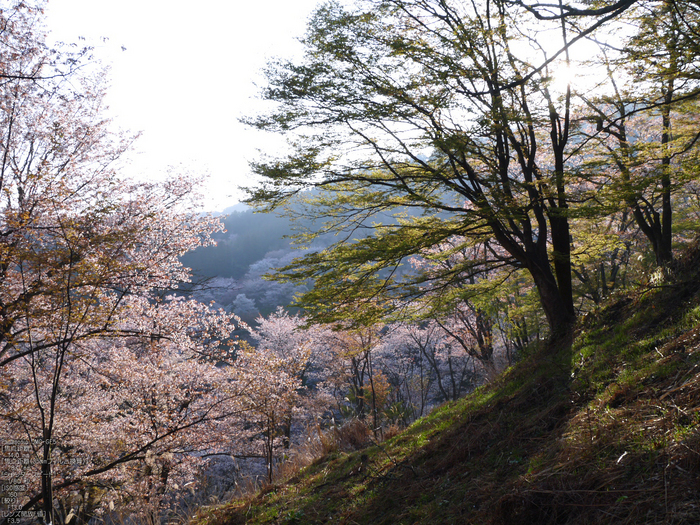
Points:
point(646, 119)
point(439, 110)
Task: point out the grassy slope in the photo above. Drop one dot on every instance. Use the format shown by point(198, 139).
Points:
point(620, 444)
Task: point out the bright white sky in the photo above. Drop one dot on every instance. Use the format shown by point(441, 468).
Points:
point(187, 74)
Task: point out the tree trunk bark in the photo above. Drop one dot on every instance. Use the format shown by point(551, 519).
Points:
point(46, 478)
point(558, 308)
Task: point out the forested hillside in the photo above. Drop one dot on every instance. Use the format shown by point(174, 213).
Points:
point(489, 313)
point(617, 441)
point(247, 239)
point(231, 272)
point(548, 155)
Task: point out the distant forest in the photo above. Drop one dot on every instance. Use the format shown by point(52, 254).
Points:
point(231, 273)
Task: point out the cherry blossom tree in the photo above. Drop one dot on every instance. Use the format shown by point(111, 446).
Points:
point(482, 312)
point(289, 337)
point(408, 359)
point(302, 352)
point(273, 396)
point(426, 365)
point(112, 389)
point(28, 59)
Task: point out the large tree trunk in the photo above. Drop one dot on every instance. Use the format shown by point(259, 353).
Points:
point(557, 306)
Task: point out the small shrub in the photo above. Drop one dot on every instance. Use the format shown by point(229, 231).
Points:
point(392, 431)
point(353, 435)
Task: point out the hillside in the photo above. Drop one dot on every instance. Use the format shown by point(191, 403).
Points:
point(619, 442)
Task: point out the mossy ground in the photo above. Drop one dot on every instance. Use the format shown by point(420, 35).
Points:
point(618, 442)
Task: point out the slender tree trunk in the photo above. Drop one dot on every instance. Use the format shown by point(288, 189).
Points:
point(46, 478)
point(375, 418)
point(665, 253)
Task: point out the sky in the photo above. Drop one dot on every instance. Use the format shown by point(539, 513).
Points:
point(183, 73)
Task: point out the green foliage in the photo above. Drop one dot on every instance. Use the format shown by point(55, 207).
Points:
point(428, 134)
point(387, 119)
